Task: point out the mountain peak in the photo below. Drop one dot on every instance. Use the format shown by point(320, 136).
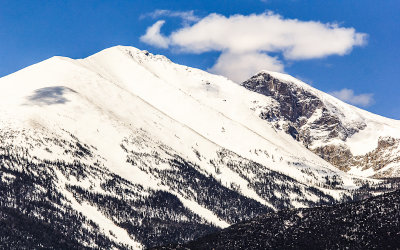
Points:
point(135, 53)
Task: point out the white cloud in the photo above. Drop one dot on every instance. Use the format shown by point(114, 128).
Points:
point(186, 16)
point(267, 32)
point(240, 67)
point(154, 37)
point(347, 95)
point(249, 40)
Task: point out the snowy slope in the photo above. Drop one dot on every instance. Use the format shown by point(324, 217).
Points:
point(203, 98)
point(330, 127)
point(134, 142)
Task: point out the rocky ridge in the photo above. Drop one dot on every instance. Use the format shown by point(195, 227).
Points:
point(320, 123)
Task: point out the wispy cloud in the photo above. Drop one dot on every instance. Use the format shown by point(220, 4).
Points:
point(347, 95)
point(246, 42)
point(186, 16)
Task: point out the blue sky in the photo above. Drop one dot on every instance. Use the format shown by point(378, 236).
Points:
point(368, 74)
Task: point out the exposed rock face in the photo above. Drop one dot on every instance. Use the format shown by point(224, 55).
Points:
point(296, 107)
point(339, 156)
point(302, 113)
point(382, 156)
point(290, 99)
point(386, 153)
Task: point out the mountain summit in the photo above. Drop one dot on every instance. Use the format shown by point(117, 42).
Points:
point(125, 149)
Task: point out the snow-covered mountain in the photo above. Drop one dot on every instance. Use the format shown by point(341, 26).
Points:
point(351, 139)
point(127, 149)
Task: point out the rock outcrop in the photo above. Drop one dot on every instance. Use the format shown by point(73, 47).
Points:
point(310, 117)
